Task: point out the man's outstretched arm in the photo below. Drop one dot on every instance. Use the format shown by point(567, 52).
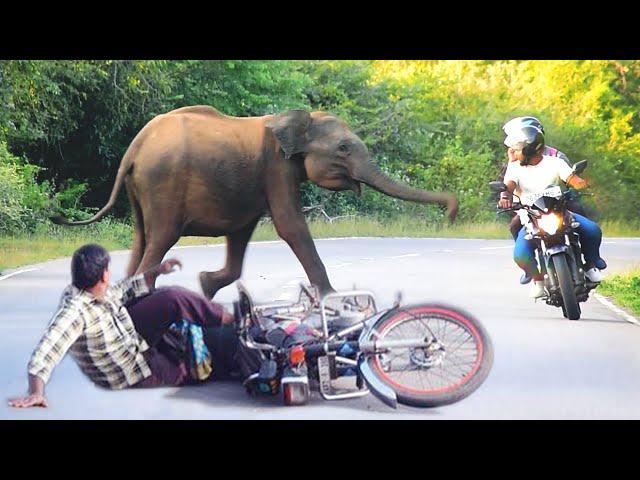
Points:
point(62, 332)
point(143, 283)
point(164, 268)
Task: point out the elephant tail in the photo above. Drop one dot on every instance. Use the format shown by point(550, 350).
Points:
point(125, 167)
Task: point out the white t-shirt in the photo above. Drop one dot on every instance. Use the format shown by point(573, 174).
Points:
point(534, 179)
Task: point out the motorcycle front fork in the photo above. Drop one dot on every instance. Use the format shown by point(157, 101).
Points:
point(574, 260)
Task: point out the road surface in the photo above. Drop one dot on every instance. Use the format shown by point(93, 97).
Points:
point(545, 367)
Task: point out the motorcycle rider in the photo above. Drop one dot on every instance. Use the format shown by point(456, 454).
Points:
point(514, 125)
point(532, 171)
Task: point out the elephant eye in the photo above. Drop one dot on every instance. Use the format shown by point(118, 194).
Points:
point(343, 147)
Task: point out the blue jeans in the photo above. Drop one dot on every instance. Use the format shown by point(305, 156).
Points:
point(590, 239)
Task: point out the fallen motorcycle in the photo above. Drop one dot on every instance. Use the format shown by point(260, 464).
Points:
point(423, 355)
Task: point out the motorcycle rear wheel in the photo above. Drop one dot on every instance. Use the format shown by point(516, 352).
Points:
point(571, 308)
point(423, 378)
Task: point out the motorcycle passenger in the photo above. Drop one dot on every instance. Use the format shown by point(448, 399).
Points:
point(532, 172)
point(511, 126)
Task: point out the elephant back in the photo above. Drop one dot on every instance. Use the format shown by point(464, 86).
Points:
point(198, 110)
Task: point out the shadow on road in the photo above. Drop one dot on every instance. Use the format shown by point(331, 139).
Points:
point(602, 320)
point(227, 394)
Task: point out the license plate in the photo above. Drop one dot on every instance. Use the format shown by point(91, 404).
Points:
point(324, 373)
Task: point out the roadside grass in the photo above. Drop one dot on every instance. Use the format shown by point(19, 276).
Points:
point(56, 241)
point(53, 241)
point(624, 290)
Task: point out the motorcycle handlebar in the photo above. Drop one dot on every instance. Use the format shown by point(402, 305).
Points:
point(513, 208)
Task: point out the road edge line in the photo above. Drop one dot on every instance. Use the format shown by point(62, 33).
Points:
point(628, 317)
point(9, 275)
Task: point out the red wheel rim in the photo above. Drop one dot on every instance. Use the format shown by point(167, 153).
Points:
point(441, 312)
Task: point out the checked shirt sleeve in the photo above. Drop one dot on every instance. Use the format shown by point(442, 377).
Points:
point(62, 332)
point(130, 288)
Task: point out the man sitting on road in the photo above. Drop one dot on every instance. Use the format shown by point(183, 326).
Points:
point(117, 346)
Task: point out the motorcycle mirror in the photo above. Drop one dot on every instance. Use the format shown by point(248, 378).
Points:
point(497, 186)
point(580, 167)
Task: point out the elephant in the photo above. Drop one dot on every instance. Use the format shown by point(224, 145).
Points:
point(195, 171)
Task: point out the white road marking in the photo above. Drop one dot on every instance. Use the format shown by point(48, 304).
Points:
point(622, 313)
point(340, 265)
point(4, 277)
point(407, 255)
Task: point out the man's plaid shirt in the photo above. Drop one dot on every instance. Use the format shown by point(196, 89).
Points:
point(99, 335)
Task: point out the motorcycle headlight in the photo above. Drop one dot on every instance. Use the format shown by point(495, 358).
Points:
point(550, 223)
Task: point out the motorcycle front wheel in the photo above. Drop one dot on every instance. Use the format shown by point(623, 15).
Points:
point(455, 363)
point(571, 308)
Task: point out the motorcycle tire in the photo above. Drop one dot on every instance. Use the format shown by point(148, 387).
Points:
point(571, 308)
point(433, 385)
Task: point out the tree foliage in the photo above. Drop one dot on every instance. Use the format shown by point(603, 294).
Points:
point(64, 125)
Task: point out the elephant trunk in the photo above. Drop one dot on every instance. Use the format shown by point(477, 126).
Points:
point(371, 175)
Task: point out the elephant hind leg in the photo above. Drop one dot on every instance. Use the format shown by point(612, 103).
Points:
point(158, 243)
point(138, 246)
point(211, 282)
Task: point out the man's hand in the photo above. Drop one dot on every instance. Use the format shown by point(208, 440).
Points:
point(35, 400)
point(574, 181)
point(505, 201)
point(164, 268)
point(168, 266)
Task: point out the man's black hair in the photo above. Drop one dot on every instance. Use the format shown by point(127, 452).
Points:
point(88, 264)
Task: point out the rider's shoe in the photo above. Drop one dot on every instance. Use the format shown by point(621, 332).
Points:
point(537, 289)
point(524, 279)
point(601, 264)
point(594, 275)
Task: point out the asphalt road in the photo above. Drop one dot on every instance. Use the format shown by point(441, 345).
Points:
point(546, 367)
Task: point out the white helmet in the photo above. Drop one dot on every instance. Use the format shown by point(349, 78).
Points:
point(529, 139)
point(519, 122)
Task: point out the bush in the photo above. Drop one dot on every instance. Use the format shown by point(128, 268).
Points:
point(23, 201)
point(26, 204)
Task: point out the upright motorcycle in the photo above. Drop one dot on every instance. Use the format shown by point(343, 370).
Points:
point(552, 226)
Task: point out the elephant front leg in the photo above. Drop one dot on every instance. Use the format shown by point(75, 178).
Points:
point(293, 229)
point(211, 282)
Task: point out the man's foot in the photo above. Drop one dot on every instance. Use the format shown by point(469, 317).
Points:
point(594, 275)
point(601, 264)
point(537, 289)
point(524, 279)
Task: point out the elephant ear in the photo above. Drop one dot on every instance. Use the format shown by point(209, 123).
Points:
point(290, 128)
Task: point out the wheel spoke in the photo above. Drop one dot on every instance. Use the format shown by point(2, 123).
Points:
point(461, 352)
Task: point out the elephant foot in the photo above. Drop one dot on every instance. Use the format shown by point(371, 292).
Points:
point(208, 284)
point(211, 282)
